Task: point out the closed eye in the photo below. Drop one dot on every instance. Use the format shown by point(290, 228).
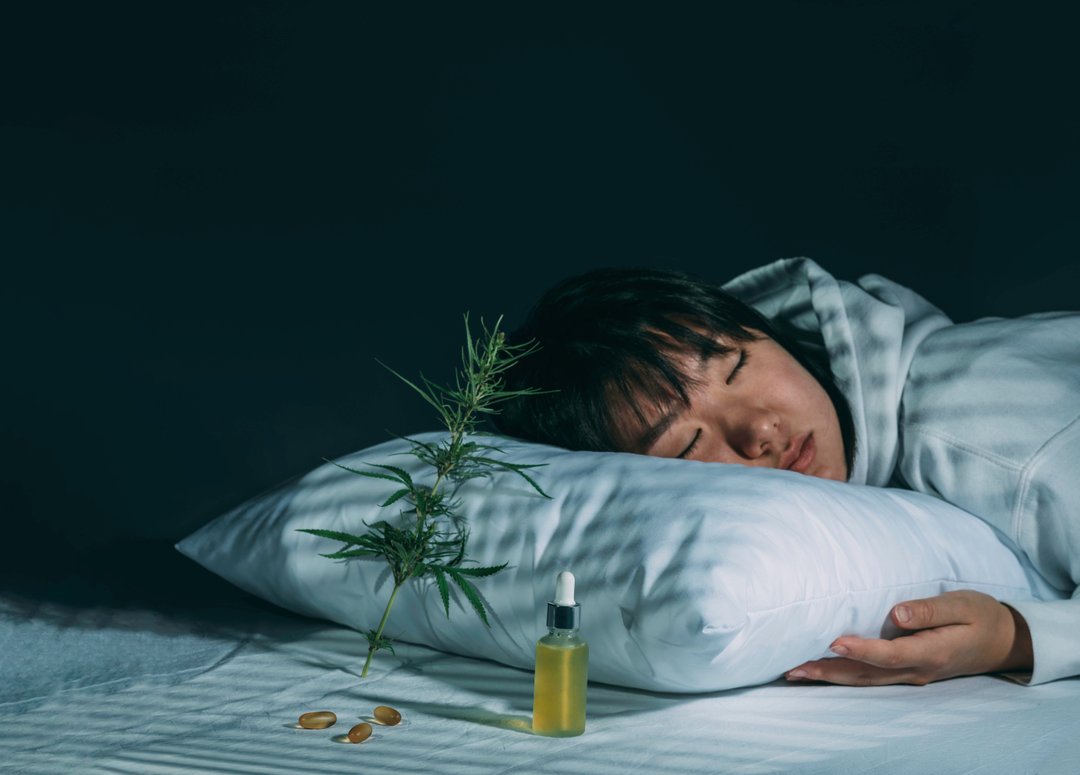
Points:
point(693, 443)
point(744, 356)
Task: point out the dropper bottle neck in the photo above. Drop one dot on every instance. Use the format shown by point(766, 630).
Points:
point(563, 613)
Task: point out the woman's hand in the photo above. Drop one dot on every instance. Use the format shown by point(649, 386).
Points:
point(957, 633)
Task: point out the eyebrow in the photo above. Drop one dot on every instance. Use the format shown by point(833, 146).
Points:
point(658, 428)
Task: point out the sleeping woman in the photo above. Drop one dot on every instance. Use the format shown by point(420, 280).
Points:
point(789, 367)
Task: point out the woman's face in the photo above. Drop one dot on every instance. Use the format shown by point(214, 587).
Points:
point(756, 406)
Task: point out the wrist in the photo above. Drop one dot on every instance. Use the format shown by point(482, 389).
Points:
point(1020, 656)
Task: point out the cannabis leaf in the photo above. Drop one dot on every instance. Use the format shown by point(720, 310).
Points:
point(430, 538)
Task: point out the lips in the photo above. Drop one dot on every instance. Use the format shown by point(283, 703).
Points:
point(799, 456)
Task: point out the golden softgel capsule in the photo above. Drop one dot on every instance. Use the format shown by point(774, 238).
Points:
point(387, 716)
point(360, 732)
point(318, 719)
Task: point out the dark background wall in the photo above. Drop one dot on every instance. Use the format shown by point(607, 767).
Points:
point(214, 218)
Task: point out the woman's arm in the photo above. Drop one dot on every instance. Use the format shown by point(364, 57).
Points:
point(953, 634)
point(990, 422)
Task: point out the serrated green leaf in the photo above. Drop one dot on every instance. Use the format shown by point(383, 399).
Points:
point(470, 593)
point(349, 553)
point(334, 535)
point(395, 497)
point(402, 474)
point(352, 470)
point(430, 399)
point(506, 464)
point(533, 482)
point(517, 468)
point(429, 448)
point(489, 447)
point(369, 474)
point(478, 572)
point(444, 590)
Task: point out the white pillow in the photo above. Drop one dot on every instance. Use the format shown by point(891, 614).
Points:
point(691, 576)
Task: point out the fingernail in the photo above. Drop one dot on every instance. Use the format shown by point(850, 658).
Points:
point(903, 614)
point(838, 649)
point(796, 675)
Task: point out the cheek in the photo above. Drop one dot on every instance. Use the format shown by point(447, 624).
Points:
point(832, 438)
point(801, 396)
point(812, 408)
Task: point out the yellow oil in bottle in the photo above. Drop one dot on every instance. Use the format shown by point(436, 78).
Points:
point(562, 667)
point(562, 664)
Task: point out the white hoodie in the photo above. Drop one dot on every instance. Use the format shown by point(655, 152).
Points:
point(985, 415)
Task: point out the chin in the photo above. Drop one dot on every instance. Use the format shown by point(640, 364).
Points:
point(832, 474)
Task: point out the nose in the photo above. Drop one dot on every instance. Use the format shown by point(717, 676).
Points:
point(754, 435)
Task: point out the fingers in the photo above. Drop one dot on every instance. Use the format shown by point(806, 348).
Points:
point(959, 607)
point(848, 672)
point(922, 650)
point(956, 633)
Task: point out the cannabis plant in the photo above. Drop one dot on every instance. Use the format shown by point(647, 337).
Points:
point(430, 538)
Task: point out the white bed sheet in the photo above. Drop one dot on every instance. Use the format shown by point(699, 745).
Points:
point(132, 692)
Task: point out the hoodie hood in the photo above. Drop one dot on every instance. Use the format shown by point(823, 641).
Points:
point(870, 330)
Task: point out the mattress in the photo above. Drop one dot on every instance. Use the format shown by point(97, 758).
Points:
point(220, 691)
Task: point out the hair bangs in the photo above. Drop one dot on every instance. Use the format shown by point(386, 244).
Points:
point(648, 386)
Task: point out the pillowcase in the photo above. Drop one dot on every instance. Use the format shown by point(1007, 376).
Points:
point(691, 576)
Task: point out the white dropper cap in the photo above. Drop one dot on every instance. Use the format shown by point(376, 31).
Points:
point(562, 612)
point(564, 589)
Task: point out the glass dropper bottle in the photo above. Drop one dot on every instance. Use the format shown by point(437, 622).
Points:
point(562, 662)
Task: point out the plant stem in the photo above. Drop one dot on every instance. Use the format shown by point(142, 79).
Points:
point(378, 633)
point(481, 367)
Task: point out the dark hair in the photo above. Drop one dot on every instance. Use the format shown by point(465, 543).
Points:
point(611, 338)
